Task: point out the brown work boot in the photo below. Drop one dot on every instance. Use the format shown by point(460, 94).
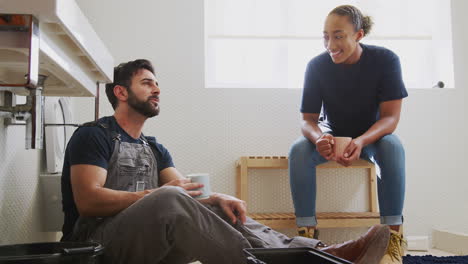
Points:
point(368, 249)
point(396, 249)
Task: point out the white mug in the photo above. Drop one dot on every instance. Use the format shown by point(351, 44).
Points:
point(203, 178)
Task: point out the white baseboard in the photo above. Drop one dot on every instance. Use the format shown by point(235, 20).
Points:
point(418, 243)
point(450, 241)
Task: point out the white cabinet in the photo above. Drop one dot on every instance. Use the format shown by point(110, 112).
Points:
point(70, 52)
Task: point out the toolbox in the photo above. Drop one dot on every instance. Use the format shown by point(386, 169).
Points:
point(290, 256)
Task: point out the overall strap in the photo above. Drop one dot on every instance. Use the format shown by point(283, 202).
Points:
point(116, 136)
point(151, 144)
point(110, 133)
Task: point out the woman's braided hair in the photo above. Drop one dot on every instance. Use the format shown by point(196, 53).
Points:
point(357, 18)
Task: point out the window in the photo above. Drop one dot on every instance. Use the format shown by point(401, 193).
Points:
point(267, 43)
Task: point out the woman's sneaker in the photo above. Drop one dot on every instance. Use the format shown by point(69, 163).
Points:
point(395, 250)
point(309, 232)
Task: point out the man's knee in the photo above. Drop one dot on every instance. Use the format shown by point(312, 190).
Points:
point(168, 204)
point(166, 196)
point(169, 191)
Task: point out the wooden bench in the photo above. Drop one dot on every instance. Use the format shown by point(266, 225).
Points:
point(325, 219)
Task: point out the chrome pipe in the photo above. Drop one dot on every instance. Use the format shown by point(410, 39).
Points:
point(15, 90)
point(34, 124)
point(6, 114)
point(33, 70)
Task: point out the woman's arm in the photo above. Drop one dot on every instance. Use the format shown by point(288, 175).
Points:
point(387, 123)
point(312, 131)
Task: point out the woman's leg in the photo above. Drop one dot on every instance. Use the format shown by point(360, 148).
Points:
point(388, 154)
point(303, 158)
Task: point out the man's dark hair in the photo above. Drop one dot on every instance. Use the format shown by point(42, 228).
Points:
point(356, 18)
point(123, 75)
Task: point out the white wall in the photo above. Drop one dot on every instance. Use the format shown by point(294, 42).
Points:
point(20, 209)
point(206, 130)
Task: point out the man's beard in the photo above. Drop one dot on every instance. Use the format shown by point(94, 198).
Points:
point(145, 108)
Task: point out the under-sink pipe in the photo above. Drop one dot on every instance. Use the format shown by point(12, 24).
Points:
point(32, 112)
point(6, 114)
point(35, 122)
point(21, 90)
point(17, 109)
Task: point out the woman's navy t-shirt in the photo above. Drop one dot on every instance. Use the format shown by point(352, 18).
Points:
point(347, 96)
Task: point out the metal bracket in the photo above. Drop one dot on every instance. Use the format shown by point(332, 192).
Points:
point(32, 112)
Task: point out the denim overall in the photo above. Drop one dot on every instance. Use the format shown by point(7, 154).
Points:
point(132, 167)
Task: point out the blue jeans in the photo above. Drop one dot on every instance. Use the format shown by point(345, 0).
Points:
point(388, 155)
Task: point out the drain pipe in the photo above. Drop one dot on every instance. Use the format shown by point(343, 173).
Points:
point(32, 112)
point(34, 124)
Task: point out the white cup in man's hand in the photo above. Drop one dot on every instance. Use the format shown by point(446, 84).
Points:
point(203, 178)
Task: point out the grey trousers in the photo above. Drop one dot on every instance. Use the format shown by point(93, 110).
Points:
point(169, 226)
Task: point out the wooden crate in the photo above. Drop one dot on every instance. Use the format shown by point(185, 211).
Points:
point(324, 219)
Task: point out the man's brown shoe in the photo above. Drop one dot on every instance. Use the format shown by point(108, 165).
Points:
point(368, 249)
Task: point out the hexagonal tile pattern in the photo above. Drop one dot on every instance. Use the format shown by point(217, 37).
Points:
point(20, 211)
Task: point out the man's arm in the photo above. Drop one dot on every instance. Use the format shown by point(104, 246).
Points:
point(387, 123)
point(172, 177)
point(232, 206)
point(312, 131)
point(92, 198)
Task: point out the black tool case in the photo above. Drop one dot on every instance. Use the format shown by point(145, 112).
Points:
point(290, 256)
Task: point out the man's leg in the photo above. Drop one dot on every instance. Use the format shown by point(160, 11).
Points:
point(368, 249)
point(168, 226)
point(261, 236)
point(303, 159)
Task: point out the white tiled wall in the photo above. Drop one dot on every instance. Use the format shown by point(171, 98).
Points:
point(20, 211)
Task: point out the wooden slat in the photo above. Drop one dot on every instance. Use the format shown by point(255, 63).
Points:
point(324, 219)
point(372, 189)
point(356, 164)
point(321, 215)
point(242, 180)
point(259, 162)
point(279, 162)
point(356, 222)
